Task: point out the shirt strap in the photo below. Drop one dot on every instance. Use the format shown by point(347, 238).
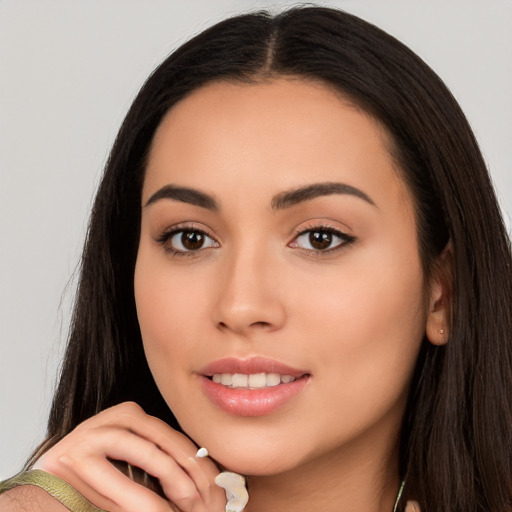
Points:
point(54, 486)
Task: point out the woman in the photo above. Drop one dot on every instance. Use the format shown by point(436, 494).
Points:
point(292, 260)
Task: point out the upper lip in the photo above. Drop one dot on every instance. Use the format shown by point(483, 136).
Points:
point(250, 366)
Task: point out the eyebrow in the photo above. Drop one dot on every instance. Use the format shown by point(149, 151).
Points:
point(281, 201)
point(299, 195)
point(184, 195)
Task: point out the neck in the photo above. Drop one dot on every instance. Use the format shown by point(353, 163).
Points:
point(350, 480)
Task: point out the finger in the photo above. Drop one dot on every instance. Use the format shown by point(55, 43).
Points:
point(125, 432)
point(176, 483)
point(183, 484)
point(200, 471)
point(132, 417)
point(96, 479)
point(120, 444)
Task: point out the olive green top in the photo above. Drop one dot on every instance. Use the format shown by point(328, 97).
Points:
point(67, 494)
point(54, 486)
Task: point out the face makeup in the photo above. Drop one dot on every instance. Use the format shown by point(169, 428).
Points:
point(279, 288)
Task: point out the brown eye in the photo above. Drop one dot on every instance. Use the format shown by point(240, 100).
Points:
point(320, 240)
point(192, 240)
point(184, 241)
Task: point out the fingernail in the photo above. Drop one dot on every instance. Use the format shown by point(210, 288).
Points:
point(202, 452)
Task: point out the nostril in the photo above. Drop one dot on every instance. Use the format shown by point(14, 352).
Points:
point(260, 324)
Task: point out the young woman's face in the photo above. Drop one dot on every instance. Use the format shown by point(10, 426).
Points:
point(278, 244)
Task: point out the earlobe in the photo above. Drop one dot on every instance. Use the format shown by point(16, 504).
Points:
point(437, 318)
point(436, 329)
point(439, 307)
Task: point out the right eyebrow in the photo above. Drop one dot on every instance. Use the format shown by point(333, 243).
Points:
point(184, 195)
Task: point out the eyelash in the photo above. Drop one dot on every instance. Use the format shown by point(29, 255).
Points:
point(345, 239)
point(165, 240)
point(166, 237)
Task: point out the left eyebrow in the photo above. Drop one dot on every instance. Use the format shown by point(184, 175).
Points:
point(299, 195)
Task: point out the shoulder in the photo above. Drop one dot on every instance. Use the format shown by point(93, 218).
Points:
point(28, 498)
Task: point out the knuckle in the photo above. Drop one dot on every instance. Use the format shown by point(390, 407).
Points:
point(129, 406)
point(127, 411)
point(149, 453)
point(189, 463)
point(184, 494)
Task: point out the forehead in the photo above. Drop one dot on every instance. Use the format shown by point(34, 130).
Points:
point(281, 133)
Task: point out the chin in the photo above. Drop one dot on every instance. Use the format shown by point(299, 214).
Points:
point(255, 446)
point(254, 466)
point(252, 459)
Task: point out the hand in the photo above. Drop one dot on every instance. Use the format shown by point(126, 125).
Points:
point(126, 433)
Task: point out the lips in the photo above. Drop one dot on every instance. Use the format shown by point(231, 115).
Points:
point(251, 387)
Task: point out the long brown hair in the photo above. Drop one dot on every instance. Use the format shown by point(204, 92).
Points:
point(456, 441)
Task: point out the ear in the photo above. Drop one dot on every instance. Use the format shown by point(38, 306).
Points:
point(440, 298)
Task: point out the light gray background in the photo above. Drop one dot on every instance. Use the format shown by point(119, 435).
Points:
point(68, 72)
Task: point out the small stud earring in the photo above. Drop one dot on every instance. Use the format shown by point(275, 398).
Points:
point(441, 331)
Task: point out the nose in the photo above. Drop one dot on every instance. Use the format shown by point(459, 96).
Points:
point(249, 298)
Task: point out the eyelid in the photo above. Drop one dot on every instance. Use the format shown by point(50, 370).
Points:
point(346, 238)
point(167, 234)
point(182, 226)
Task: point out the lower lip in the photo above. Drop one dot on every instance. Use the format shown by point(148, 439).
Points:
point(252, 402)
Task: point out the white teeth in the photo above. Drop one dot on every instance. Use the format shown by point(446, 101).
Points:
point(257, 380)
point(239, 380)
point(252, 381)
point(226, 379)
point(273, 379)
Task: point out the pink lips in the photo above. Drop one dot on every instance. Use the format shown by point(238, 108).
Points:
point(251, 402)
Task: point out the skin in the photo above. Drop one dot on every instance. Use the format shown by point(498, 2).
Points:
point(352, 313)
point(354, 317)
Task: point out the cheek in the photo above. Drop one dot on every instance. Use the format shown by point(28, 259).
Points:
point(367, 325)
point(167, 310)
point(374, 306)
